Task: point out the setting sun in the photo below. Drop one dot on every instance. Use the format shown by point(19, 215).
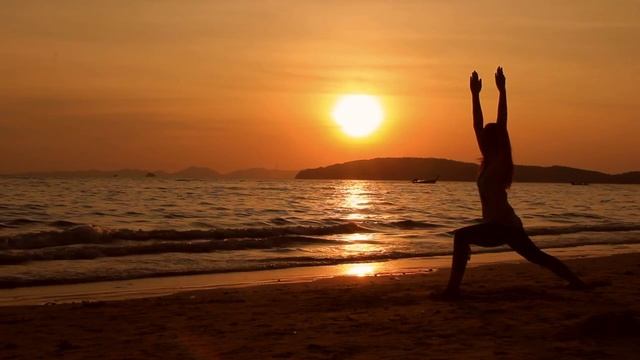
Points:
point(358, 115)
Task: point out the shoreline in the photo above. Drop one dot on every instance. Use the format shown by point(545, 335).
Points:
point(168, 285)
point(508, 310)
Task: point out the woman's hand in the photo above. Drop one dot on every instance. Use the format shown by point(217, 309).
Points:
point(500, 80)
point(502, 100)
point(475, 83)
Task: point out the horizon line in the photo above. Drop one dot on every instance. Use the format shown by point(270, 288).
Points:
point(223, 173)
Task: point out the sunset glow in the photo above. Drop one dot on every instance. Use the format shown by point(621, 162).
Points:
point(358, 115)
point(179, 83)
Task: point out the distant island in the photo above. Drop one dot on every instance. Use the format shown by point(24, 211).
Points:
point(192, 172)
point(372, 169)
point(450, 170)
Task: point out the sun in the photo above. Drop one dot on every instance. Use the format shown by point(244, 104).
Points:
point(358, 115)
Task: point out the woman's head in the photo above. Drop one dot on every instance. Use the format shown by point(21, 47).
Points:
point(496, 149)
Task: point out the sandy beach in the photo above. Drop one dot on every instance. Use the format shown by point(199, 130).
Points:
point(509, 311)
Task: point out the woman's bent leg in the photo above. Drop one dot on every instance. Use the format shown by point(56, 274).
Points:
point(461, 253)
point(527, 249)
point(488, 235)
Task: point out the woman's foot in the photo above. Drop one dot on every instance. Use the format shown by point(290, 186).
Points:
point(589, 285)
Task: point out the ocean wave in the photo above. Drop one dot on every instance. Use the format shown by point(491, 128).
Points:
point(393, 255)
point(277, 243)
point(62, 224)
point(573, 229)
point(206, 267)
point(264, 264)
point(412, 224)
point(22, 221)
point(88, 234)
point(72, 234)
point(93, 251)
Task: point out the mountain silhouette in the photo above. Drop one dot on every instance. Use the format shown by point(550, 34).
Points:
point(261, 173)
point(373, 169)
point(195, 172)
point(451, 170)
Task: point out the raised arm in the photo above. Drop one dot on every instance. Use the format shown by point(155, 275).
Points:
point(475, 83)
point(502, 102)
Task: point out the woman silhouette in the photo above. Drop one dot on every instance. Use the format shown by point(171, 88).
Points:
point(500, 223)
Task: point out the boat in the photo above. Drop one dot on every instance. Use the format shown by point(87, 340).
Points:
point(579, 183)
point(425, 181)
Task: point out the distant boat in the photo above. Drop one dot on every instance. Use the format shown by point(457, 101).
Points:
point(425, 181)
point(150, 174)
point(579, 183)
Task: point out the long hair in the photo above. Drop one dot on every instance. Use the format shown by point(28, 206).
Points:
point(496, 149)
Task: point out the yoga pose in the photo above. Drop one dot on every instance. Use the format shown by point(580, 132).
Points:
point(500, 223)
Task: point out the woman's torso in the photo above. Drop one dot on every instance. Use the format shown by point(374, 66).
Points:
point(493, 195)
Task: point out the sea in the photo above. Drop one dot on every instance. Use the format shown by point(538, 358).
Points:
point(70, 230)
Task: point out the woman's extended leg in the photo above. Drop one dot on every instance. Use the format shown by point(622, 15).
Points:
point(526, 248)
point(488, 235)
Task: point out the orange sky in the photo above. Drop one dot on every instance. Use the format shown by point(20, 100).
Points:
point(236, 84)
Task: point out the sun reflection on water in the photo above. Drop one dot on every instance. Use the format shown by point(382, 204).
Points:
point(356, 200)
point(360, 243)
point(361, 270)
point(356, 237)
point(355, 203)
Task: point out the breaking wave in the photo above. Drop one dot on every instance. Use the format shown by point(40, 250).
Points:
point(88, 234)
point(84, 242)
point(93, 251)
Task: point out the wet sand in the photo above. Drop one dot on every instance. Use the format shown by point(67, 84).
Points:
point(509, 311)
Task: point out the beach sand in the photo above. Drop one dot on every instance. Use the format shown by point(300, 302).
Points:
point(510, 311)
